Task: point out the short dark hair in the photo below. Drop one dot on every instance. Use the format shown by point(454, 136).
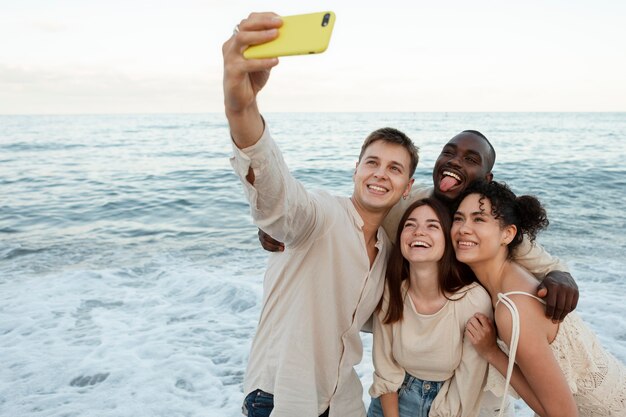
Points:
point(491, 148)
point(391, 135)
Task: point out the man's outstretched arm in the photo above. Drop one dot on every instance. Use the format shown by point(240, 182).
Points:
point(244, 78)
point(278, 202)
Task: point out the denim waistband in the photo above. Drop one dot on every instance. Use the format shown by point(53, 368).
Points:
point(411, 381)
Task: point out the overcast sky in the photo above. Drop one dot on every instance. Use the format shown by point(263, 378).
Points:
point(137, 56)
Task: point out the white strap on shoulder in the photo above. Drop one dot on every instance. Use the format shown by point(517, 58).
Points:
point(515, 329)
point(520, 293)
point(512, 345)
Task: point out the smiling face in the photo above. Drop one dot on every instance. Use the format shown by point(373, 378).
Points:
point(464, 159)
point(422, 238)
point(478, 236)
point(381, 177)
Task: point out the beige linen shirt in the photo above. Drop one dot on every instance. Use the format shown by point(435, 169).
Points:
point(431, 347)
point(316, 294)
point(531, 256)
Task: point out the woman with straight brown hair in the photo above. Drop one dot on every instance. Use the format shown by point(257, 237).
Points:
point(423, 366)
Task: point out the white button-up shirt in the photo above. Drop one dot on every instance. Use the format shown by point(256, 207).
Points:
point(317, 294)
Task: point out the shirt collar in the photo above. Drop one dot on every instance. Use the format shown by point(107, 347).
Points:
point(381, 236)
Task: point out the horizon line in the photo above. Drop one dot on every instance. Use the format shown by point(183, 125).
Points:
point(324, 112)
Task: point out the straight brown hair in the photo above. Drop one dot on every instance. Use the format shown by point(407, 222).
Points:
point(453, 275)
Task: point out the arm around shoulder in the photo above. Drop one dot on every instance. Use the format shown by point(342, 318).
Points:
point(557, 287)
point(536, 259)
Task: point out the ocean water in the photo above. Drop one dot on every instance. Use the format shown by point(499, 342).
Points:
point(131, 274)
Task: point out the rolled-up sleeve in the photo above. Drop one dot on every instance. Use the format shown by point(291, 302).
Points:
point(460, 396)
point(388, 375)
point(279, 204)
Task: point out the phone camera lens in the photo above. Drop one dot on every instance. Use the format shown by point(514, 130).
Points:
point(326, 19)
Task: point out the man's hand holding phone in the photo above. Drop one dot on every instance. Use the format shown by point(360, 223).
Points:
point(250, 54)
point(244, 78)
point(301, 34)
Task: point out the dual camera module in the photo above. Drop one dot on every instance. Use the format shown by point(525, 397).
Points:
point(325, 19)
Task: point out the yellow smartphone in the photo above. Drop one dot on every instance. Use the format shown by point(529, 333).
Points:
point(299, 35)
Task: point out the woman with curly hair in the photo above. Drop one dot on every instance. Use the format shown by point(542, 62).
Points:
point(559, 369)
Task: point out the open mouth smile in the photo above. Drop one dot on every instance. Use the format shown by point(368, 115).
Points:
point(462, 244)
point(377, 188)
point(449, 180)
point(451, 174)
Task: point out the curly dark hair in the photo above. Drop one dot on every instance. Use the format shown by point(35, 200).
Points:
point(524, 212)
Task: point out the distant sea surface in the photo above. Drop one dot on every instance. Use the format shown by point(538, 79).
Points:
point(131, 274)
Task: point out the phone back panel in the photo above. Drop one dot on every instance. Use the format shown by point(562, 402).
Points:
point(299, 35)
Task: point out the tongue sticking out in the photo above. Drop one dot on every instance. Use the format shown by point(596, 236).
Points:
point(447, 183)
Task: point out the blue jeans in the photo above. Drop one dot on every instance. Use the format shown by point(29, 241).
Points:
point(260, 404)
point(414, 398)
